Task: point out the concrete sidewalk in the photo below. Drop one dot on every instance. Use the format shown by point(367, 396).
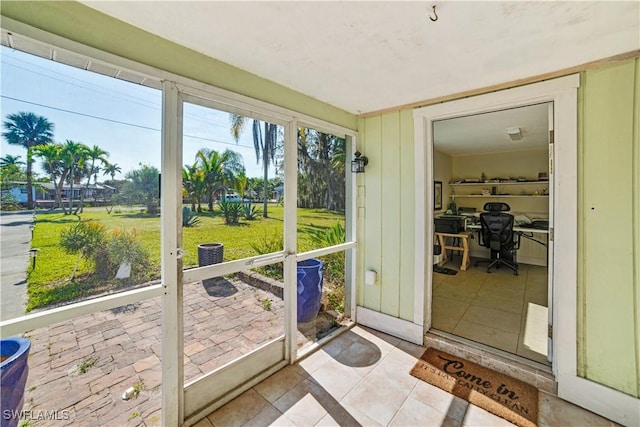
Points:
point(15, 242)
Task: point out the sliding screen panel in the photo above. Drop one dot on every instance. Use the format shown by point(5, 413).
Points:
point(233, 228)
point(321, 203)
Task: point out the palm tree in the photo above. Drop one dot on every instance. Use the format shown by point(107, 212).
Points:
point(73, 154)
point(265, 146)
point(28, 130)
point(10, 160)
point(53, 166)
point(195, 184)
point(112, 169)
point(93, 154)
point(220, 169)
point(241, 184)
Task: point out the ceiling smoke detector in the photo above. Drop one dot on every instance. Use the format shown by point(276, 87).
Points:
point(514, 133)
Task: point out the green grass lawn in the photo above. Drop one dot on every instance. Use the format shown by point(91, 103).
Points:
point(49, 282)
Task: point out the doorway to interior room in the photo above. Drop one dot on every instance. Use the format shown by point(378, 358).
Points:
point(497, 156)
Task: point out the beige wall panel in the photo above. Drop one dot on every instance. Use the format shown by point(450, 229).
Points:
point(390, 214)
point(372, 180)
point(610, 228)
point(407, 215)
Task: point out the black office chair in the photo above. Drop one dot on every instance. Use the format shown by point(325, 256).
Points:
point(497, 234)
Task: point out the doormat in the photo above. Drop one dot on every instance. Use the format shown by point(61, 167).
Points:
point(444, 270)
point(506, 397)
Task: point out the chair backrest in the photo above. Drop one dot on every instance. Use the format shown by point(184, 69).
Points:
point(496, 226)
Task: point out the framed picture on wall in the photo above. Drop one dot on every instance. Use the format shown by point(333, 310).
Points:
point(437, 195)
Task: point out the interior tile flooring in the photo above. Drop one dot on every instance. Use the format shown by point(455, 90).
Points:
point(361, 378)
point(497, 309)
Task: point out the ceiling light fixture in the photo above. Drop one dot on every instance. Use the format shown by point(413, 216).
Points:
point(514, 133)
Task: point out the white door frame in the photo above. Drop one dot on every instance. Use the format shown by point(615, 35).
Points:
point(600, 399)
point(563, 93)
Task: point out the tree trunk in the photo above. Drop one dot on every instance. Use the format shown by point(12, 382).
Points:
point(265, 161)
point(29, 180)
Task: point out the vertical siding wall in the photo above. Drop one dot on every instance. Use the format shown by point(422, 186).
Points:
point(386, 194)
point(609, 227)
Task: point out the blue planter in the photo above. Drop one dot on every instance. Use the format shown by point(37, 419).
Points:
point(13, 377)
point(310, 275)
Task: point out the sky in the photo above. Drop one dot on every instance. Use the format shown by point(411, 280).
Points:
point(120, 117)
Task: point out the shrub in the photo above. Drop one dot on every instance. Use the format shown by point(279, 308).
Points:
point(8, 202)
point(90, 240)
point(189, 217)
point(124, 247)
point(266, 244)
point(334, 263)
point(250, 211)
point(231, 211)
point(84, 238)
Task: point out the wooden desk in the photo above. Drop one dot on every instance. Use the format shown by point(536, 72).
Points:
point(464, 240)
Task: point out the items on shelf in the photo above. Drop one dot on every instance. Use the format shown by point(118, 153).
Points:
point(494, 188)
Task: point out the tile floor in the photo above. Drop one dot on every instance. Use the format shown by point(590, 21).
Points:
point(361, 378)
point(497, 309)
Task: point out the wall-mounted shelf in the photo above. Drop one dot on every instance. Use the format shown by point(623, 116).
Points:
point(497, 196)
point(496, 184)
point(501, 192)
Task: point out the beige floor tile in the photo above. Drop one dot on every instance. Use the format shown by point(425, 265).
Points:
point(377, 398)
point(532, 340)
point(269, 416)
point(444, 322)
point(447, 312)
point(412, 349)
point(360, 353)
point(478, 417)
point(314, 361)
point(513, 303)
point(361, 419)
point(537, 299)
point(239, 410)
point(305, 404)
point(493, 318)
point(346, 417)
point(416, 413)
point(337, 379)
point(504, 283)
point(458, 291)
point(279, 383)
point(387, 371)
point(443, 402)
point(492, 337)
point(556, 412)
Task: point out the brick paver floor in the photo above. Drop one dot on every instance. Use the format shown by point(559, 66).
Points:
point(79, 369)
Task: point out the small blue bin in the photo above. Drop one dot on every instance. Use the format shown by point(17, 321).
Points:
point(13, 377)
point(310, 277)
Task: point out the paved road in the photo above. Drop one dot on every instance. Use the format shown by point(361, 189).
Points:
point(15, 241)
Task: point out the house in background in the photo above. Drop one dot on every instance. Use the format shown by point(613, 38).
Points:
point(383, 75)
point(44, 193)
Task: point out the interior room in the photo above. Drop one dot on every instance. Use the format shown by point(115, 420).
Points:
point(499, 156)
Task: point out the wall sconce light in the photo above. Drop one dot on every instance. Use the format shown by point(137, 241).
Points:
point(514, 133)
point(358, 164)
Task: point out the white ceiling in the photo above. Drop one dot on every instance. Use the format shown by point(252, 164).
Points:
point(486, 133)
point(367, 56)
